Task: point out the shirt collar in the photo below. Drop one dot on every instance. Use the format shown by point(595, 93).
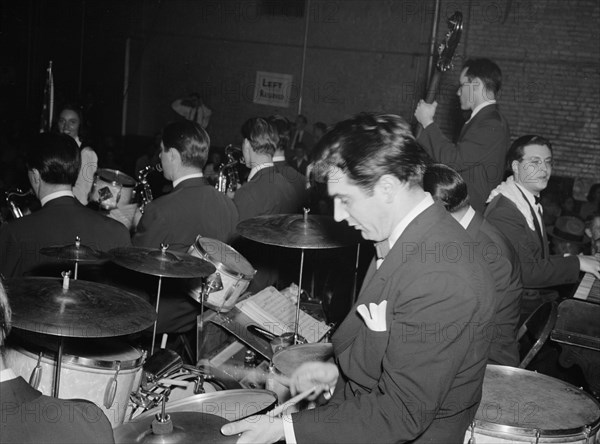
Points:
point(279, 158)
point(528, 194)
point(406, 220)
point(7, 374)
point(480, 107)
point(255, 169)
point(189, 176)
point(468, 217)
point(55, 195)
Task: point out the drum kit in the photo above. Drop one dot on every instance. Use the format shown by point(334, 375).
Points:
point(159, 399)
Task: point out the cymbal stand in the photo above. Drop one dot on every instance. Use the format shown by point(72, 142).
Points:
point(297, 324)
point(156, 320)
point(77, 245)
point(213, 283)
point(59, 354)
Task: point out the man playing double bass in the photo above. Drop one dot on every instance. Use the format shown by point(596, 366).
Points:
point(478, 154)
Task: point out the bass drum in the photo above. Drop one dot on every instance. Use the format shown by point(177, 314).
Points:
point(521, 406)
point(104, 372)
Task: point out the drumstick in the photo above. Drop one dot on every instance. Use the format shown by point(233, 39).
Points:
point(296, 399)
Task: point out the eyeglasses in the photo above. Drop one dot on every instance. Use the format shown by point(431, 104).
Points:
point(537, 162)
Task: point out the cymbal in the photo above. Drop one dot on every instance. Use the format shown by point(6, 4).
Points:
point(85, 310)
point(298, 231)
point(290, 358)
point(187, 427)
point(160, 262)
point(75, 253)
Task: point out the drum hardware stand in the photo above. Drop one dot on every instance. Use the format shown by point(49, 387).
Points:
point(213, 283)
point(59, 354)
point(297, 323)
point(163, 253)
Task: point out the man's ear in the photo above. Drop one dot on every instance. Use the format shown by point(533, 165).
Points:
point(388, 185)
point(514, 166)
point(34, 176)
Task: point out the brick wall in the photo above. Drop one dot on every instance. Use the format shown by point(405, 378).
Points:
point(549, 52)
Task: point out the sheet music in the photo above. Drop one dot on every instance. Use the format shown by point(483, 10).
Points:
point(277, 314)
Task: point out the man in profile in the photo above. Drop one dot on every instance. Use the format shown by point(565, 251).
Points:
point(478, 154)
point(53, 163)
point(27, 416)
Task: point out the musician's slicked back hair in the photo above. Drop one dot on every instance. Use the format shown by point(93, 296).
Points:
point(489, 73)
point(5, 315)
point(368, 146)
point(56, 157)
point(446, 186)
point(261, 134)
point(517, 149)
point(190, 139)
point(283, 128)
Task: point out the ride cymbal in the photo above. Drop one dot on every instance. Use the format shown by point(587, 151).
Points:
point(160, 262)
point(298, 231)
point(84, 310)
point(74, 252)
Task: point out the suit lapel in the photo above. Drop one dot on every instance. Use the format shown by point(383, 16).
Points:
point(481, 114)
point(375, 279)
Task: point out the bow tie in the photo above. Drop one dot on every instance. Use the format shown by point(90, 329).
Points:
point(538, 200)
point(382, 249)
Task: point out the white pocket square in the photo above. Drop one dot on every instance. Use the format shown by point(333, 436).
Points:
point(374, 316)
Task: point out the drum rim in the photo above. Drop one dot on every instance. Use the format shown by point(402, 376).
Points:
point(132, 182)
point(220, 266)
point(82, 361)
point(531, 431)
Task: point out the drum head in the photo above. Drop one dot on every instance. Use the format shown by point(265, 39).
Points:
point(115, 176)
point(224, 257)
point(290, 358)
point(521, 401)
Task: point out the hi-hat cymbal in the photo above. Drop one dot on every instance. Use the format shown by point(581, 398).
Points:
point(187, 427)
point(84, 310)
point(160, 262)
point(75, 253)
point(298, 231)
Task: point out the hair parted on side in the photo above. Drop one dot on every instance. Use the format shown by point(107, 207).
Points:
point(261, 134)
point(446, 186)
point(190, 139)
point(56, 157)
point(517, 149)
point(368, 146)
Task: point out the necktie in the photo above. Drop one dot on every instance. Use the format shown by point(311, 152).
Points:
point(382, 249)
point(536, 224)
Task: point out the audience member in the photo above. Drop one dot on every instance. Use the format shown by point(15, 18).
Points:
point(300, 161)
point(592, 205)
point(70, 121)
point(302, 135)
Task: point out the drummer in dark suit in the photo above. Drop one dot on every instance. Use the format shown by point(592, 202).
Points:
point(447, 186)
point(410, 357)
point(193, 208)
point(53, 163)
point(27, 416)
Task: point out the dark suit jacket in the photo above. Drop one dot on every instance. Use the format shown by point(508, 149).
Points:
point(27, 416)
point(478, 155)
point(535, 271)
point(268, 192)
point(420, 380)
point(504, 264)
point(193, 208)
point(297, 180)
point(56, 223)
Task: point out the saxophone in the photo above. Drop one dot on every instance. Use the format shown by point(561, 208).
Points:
point(228, 180)
point(18, 210)
point(146, 191)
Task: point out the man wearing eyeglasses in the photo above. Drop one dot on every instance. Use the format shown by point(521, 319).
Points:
point(514, 208)
point(478, 154)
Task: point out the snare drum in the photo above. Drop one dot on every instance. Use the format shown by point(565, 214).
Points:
point(112, 189)
point(102, 371)
point(519, 406)
point(235, 272)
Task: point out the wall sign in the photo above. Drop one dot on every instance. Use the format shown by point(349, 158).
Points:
point(273, 89)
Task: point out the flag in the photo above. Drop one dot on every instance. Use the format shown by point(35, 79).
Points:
point(48, 102)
